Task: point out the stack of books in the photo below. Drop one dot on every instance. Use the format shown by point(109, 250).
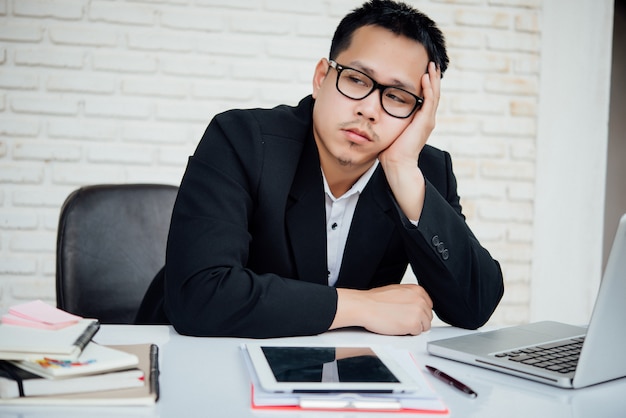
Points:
point(48, 356)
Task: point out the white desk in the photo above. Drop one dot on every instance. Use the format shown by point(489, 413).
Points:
point(206, 377)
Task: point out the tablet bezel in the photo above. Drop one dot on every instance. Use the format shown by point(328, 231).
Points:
point(269, 383)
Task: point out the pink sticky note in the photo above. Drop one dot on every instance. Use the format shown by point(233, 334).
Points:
point(40, 311)
point(10, 319)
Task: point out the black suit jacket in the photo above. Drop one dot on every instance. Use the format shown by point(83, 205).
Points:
point(246, 253)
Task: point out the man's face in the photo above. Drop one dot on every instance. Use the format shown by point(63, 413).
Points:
point(350, 132)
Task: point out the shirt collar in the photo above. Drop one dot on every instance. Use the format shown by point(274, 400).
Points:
point(356, 187)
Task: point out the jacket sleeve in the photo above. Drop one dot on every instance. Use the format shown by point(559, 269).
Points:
point(209, 291)
point(463, 280)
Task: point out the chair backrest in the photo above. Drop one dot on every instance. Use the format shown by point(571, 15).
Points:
point(110, 244)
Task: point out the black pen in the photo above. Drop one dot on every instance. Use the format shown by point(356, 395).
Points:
point(452, 381)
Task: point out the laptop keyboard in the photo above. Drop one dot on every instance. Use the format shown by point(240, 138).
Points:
point(561, 357)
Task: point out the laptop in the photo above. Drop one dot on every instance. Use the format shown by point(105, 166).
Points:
point(552, 352)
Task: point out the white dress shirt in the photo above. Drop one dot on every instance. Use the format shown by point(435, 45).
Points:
point(339, 213)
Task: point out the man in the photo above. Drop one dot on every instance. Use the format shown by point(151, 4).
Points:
point(297, 220)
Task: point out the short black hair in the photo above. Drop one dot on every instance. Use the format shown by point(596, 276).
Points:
point(398, 18)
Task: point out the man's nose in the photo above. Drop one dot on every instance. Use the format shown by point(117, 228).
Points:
point(370, 106)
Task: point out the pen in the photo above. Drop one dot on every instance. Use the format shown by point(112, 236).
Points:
point(452, 381)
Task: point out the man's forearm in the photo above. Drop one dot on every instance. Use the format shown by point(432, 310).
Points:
point(399, 309)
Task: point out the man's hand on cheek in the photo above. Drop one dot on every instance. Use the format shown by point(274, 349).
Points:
point(407, 147)
point(399, 160)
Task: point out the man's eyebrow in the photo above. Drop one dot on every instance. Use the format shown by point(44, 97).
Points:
point(358, 65)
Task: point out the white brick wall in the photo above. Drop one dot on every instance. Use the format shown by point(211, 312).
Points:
point(96, 91)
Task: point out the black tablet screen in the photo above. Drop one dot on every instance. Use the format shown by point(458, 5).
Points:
point(327, 364)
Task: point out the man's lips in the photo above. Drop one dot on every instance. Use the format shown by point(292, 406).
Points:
point(358, 135)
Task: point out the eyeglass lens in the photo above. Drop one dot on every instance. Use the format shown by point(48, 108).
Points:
point(357, 85)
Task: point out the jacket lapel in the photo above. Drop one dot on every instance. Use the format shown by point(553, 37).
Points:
point(369, 234)
point(306, 218)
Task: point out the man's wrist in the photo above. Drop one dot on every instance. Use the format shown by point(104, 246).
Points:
point(349, 309)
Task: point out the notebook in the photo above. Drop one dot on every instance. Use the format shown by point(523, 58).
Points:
point(94, 359)
point(534, 351)
point(26, 343)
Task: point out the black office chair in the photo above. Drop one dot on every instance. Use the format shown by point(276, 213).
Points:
point(110, 244)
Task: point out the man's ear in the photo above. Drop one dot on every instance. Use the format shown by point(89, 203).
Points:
point(321, 71)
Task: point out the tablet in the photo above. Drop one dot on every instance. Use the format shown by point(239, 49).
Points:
point(293, 369)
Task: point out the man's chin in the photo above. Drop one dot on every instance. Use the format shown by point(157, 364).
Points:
point(344, 162)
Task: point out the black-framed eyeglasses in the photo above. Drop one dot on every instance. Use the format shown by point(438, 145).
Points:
point(357, 85)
